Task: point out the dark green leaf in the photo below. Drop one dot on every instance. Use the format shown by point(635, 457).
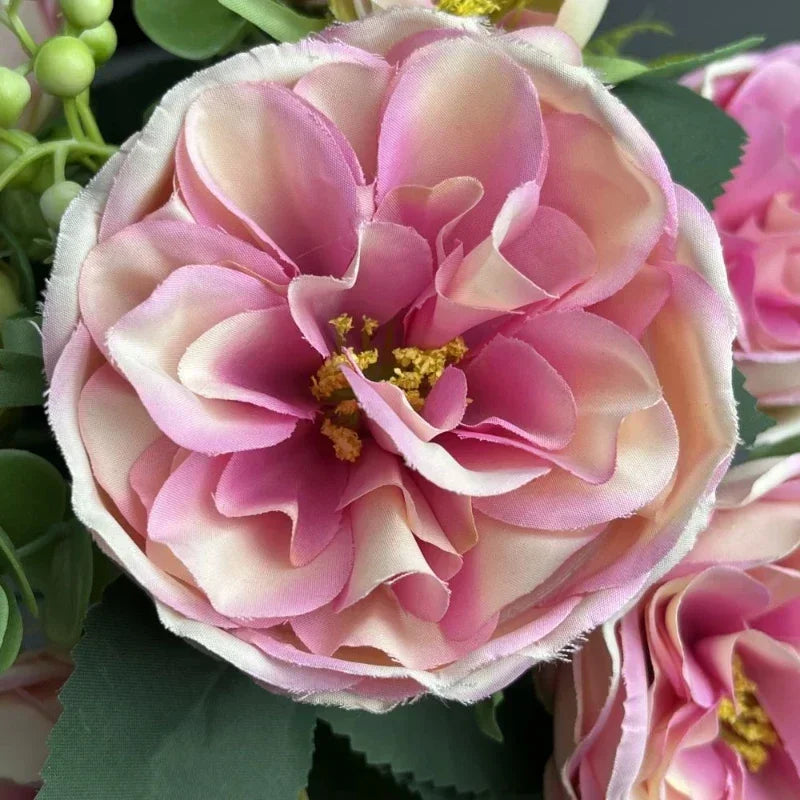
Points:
point(433, 742)
point(147, 717)
point(104, 573)
point(10, 628)
point(193, 29)
point(700, 143)
point(21, 380)
point(66, 595)
point(752, 421)
point(486, 716)
point(276, 19)
point(18, 257)
point(612, 69)
point(22, 335)
point(786, 447)
point(675, 66)
point(33, 495)
point(8, 555)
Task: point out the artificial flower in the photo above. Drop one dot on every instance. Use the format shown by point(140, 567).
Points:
point(695, 692)
point(29, 708)
point(759, 219)
point(392, 361)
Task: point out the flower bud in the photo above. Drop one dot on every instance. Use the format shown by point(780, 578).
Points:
point(64, 66)
point(9, 153)
point(15, 93)
point(102, 41)
point(54, 201)
point(86, 13)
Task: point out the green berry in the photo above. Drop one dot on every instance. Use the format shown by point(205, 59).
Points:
point(15, 93)
point(9, 153)
point(102, 41)
point(54, 201)
point(87, 13)
point(64, 66)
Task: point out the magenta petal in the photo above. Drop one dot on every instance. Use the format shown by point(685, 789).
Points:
point(372, 286)
point(255, 549)
point(300, 478)
point(148, 343)
point(256, 357)
point(433, 93)
point(310, 216)
point(531, 400)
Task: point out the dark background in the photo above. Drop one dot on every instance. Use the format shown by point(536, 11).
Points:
point(699, 24)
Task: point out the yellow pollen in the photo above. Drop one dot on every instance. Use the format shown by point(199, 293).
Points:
point(469, 8)
point(417, 366)
point(369, 326)
point(745, 726)
point(342, 324)
point(346, 408)
point(346, 442)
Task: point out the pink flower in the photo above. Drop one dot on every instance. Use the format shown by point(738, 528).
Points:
point(759, 217)
point(695, 692)
point(28, 709)
point(390, 362)
point(41, 20)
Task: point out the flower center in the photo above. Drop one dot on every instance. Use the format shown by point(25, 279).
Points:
point(745, 726)
point(412, 369)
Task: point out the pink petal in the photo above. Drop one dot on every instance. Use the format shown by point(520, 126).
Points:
point(300, 477)
point(530, 399)
point(646, 458)
point(307, 216)
point(447, 401)
point(116, 430)
point(255, 549)
point(121, 272)
point(386, 552)
point(256, 357)
point(429, 459)
point(149, 342)
point(433, 93)
point(373, 286)
point(332, 89)
point(586, 163)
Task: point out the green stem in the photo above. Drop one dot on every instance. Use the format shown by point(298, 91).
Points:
point(88, 120)
point(60, 164)
point(50, 148)
point(19, 29)
point(27, 550)
point(73, 119)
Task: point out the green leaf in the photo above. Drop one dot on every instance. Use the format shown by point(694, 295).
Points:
point(675, 66)
point(21, 380)
point(462, 758)
point(752, 421)
point(22, 335)
point(33, 495)
point(10, 628)
point(700, 143)
point(276, 19)
point(486, 715)
point(193, 29)
point(148, 717)
point(9, 554)
point(18, 261)
point(66, 595)
point(104, 573)
point(612, 69)
point(785, 447)
point(611, 43)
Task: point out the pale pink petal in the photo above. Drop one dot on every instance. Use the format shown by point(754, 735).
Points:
point(447, 401)
point(309, 216)
point(434, 93)
point(255, 549)
point(332, 89)
point(148, 343)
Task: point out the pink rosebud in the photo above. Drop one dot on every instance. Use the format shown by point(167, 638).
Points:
point(759, 219)
point(392, 361)
point(695, 692)
point(29, 708)
point(41, 20)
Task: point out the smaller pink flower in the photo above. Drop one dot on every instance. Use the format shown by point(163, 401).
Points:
point(41, 20)
point(759, 216)
point(29, 708)
point(695, 692)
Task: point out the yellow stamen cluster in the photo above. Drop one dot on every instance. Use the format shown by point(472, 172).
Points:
point(417, 367)
point(416, 372)
point(745, 726)
point(469, 8)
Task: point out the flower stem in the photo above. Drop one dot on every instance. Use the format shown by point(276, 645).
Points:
point(18, 28)
point(87, 119)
